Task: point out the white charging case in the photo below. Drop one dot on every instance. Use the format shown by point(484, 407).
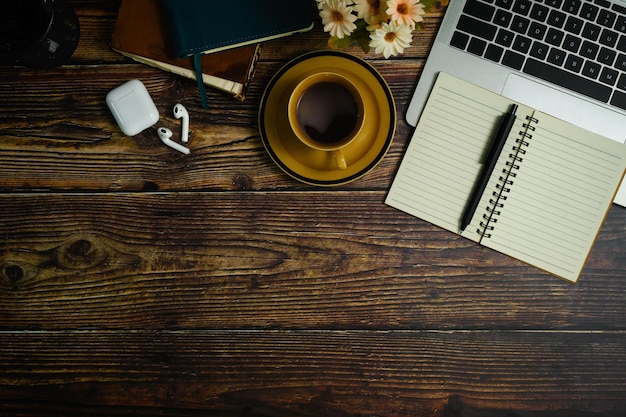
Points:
point(132, 107)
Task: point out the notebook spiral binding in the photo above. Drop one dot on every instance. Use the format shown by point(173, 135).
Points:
point(506, 180)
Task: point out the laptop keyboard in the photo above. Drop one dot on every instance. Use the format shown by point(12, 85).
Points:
point(578, 45)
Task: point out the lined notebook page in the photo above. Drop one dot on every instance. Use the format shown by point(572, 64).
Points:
point(556, 205)
point(438, 172)
point(559, 196)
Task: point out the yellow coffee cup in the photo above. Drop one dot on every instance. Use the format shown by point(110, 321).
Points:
point(326, 112)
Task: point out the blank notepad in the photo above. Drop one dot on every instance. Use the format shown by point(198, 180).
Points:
point(547, 196)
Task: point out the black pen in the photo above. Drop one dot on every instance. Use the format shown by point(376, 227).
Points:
point(490, 162)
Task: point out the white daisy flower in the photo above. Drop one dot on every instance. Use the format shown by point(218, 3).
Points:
point(391, 39)
point(370, 10)
point(405, 12)
point(337, 18)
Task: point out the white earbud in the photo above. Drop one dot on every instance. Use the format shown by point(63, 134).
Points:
point(181, 112)
point(165, 134)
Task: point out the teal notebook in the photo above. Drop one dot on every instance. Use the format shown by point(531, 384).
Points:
point(200, 27)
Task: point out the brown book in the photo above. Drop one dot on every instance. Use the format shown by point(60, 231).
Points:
point(141, 34)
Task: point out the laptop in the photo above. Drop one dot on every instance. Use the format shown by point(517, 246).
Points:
point(563, 57)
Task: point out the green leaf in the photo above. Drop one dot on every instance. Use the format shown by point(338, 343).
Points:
point(336, 43)
point(361, 35)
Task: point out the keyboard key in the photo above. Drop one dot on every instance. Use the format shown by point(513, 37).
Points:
point(503, 18)
point(477, 46)
point(589, 50)
point(477, 28)
point(522, 44)
point(607, 56)
point(505, 38)
point(572, 6)
point(520, 24)
point(537, 30)
point(554, 37)
point(567, 80)
point(619, 100)
point(572, 43)
point(606, 18)
point(513, 60)
point(494, 53)
point(573, 63)
point(539, 12)
point(608, 38)
point(539, 50)
point(459, 40)
point(591, 31)
point(557, 19)
point(574, 25)
point(522, 7)
point(591, 70)
point(608, 76)
point(479, 9)
point(589, 11)
point(556, 56)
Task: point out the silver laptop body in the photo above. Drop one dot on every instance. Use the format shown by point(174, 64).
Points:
point(548, 97)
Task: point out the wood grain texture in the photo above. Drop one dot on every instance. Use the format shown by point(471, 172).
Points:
point(137, 281)
point(69, 129)
point(312, 373)
point(281, 260)
point(87, 151)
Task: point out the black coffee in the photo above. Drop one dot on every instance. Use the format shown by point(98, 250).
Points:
point(327, 112)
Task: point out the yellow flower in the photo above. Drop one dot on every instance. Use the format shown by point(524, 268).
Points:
point(370, 11)
point(391, 38)
point(337, 18)
point(405, 12)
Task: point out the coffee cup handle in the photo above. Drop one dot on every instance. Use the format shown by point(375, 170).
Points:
point(340, 159)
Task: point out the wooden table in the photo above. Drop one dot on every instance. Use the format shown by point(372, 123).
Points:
point(138, 281)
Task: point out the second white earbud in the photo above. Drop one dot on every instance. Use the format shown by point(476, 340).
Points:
point(180, 112)
point(165, 134)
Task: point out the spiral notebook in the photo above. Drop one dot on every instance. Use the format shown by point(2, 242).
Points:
point(547, 197)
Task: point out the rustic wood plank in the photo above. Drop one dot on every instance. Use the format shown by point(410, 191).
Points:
point(313, 373)
point(97, 20)
point(278, 260)
point(69, 129)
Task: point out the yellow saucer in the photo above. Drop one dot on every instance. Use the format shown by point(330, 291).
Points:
point(318, 167)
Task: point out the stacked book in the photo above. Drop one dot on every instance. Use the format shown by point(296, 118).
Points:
point(141, 33)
